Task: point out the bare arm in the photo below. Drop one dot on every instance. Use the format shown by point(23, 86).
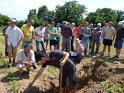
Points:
point(66, 56)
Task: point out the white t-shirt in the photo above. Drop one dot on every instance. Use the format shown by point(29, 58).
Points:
point(40, 33)
point(22, 57)
point(14, 34)
point(108, 33)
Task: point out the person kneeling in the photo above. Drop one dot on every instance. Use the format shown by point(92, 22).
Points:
point(25, 59)
point(78, 54)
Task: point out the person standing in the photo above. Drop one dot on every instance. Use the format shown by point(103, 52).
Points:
point(58, 35)
point(66, 32)
point(86, 33)
point(73, 36)
point(52, 36)
point(119, 39)
point(46, 37)
point(29, 33)
point(109, 34)
point(96, 33)
point(14, 36)
point(4, 30)
point(39, 33)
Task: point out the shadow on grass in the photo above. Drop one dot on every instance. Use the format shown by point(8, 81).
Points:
point(14, 76)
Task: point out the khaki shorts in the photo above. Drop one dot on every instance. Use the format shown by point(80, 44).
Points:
point(11, 48)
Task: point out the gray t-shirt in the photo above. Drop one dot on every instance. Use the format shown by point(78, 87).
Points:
point(96, 36)
point(108, 33)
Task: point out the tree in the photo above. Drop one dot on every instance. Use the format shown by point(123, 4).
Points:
point(94, 17)
point(42, 13)
point(45, 15)
point(108, 14)
point(33, 15)
point(120, 15)
point(70, 11)
point(3, 19)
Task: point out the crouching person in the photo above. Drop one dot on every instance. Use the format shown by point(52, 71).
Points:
point(25, 59)
point(58, 59)
point(78, 54)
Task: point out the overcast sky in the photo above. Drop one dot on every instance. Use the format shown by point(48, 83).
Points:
point(19, 9)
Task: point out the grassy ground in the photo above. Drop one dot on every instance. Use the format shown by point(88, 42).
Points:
point(12, 82)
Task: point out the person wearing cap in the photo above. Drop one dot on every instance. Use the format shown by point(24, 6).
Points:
point(96, 33)
point(29, 32)
point(14, 36)
point(78, 54)
point(58, 35)
point(52, 36)
point(58, 59)
point(109, 34)
point(39, 33)
point(25, 59)
point(4, 30)
point(119, 39)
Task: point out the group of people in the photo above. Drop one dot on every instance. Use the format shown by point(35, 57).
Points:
point(77, 42)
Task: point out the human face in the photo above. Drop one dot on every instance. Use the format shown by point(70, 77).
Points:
point(44, 59)
point(12, 24)
point(30, 23)
point(27, 49)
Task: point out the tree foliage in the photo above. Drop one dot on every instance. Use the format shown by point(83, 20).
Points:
point(94, 17)
point(3, 19)
point(108, 14)
point(102, 15)
point(71, 11)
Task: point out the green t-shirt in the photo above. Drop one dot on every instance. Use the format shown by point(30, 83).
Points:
point(54, 31)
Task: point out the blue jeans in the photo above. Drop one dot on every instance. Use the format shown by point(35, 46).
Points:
point(85, 41)
point(26, 43)
point(58, 42)
point(38, 43)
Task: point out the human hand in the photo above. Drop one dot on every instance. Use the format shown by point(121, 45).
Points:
point(62, 63)
point(30, 85)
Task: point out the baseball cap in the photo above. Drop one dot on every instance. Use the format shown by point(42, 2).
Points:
point(99, 24)
point(13, 20)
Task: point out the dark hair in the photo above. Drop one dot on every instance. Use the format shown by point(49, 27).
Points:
point(38, 55)
point(27, 45)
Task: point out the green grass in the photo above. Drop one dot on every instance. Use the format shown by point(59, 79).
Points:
point(1, 29)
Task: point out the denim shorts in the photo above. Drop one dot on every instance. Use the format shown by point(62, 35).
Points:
point(26, 43)
point(118, 43)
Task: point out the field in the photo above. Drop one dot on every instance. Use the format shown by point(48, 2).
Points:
point(95, 75)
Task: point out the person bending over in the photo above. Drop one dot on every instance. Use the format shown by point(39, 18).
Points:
point(58, 59)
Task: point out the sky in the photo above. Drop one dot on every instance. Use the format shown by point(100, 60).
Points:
point(19, 9)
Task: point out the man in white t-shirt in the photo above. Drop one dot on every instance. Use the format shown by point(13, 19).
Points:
point(39, 32)
point(108, 36)
point(25, 59)
point(14, 36)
